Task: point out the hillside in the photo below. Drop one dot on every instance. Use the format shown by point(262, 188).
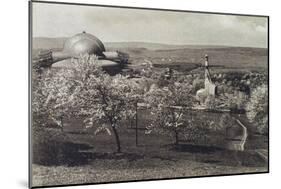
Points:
point(49, 43)
point(165, 54)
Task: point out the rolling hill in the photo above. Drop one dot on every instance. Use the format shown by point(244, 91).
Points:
point(49, 43)
point(232, 57)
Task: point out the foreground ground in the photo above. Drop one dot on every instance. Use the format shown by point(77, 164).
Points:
point(88, 158)
point(124, 169)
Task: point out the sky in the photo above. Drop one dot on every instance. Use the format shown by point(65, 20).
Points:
point(136, 25)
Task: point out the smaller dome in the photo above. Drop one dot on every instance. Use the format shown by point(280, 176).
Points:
point(83, 43)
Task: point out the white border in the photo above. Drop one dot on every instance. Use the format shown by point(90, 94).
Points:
point(14, 92)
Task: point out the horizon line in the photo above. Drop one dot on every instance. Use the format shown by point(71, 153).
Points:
point(171, 44)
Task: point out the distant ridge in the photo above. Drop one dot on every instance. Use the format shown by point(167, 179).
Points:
point(48, 43)
point(234, 57)
point(156, 46)
point(57, 43)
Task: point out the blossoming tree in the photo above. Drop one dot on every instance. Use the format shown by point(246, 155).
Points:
point(52, 96)
point(257, 108)
point(167, 108)
point(103, 99)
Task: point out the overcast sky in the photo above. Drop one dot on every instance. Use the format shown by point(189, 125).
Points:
point(122, 25)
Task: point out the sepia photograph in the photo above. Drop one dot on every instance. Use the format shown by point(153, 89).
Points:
point(122, 94)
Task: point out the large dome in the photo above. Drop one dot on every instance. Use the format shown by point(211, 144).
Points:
point(83, 43)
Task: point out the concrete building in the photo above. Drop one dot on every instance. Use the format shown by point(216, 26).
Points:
point(81, 44)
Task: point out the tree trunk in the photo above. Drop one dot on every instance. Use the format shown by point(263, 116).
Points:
point(177, 138)
point(61, 121)
point(117, 139)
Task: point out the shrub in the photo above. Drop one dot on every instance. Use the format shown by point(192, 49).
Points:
point(198, 84)
point(257, 108)
point(46, 149)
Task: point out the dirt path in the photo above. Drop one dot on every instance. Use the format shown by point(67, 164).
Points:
point(244, 135)
point(263, 154)
point(238, 142)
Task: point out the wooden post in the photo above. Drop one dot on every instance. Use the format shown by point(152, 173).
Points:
point(136, 124)
point(129, 123)
point(61, 121)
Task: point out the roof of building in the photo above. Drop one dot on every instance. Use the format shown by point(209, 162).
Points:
point(83, 43)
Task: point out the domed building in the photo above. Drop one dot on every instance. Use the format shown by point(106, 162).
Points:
point(83, 43)
point(80, 44)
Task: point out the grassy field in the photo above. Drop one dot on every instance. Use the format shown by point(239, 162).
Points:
point(89, 164)
point(84, 157)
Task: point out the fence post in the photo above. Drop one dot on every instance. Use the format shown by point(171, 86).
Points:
point(136, 124)
point(61, 121)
